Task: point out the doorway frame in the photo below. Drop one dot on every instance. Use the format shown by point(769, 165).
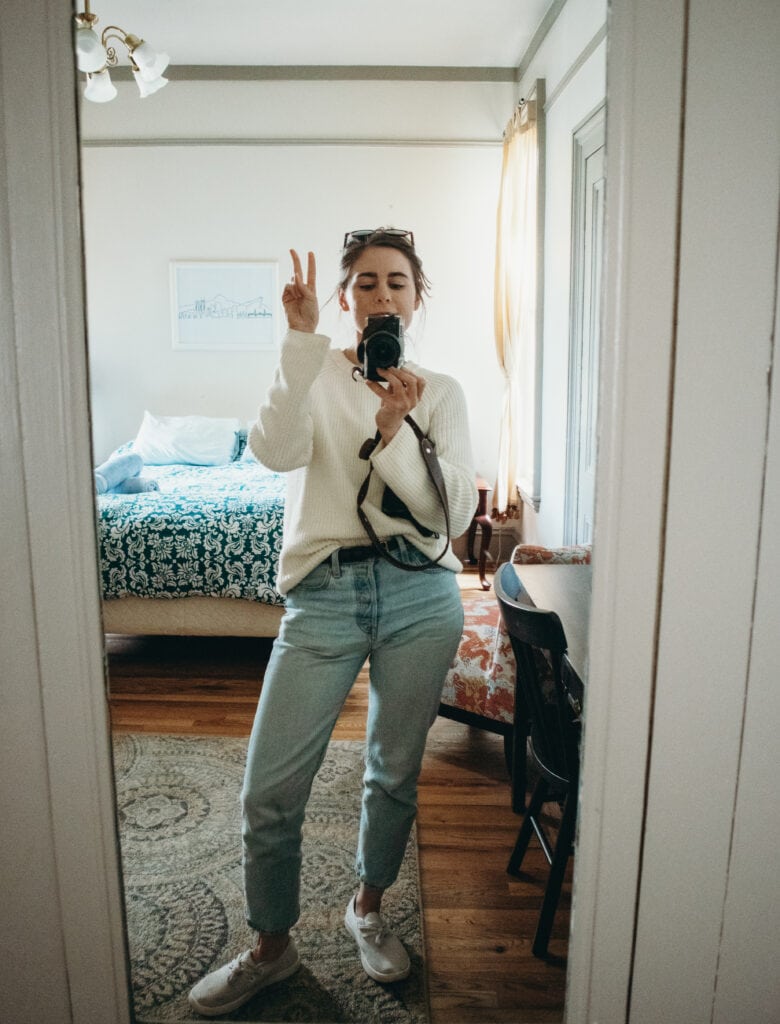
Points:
point(646, 44)
point(64, 900)
point(58, 570)
point(588, 138)
point(63, 903)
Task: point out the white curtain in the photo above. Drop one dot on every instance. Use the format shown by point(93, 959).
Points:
point(515, 313)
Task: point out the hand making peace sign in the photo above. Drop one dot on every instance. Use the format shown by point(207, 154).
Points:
point(299, 297)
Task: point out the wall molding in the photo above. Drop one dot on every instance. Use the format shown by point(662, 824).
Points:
point(539, 36)
point(417, 143)
point(582, 59)
point(326, 73)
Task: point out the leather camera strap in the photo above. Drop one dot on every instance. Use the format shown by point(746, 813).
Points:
point(428, 451)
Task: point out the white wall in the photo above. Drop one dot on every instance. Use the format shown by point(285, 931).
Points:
point(296, 163)
point(572, 60)
point(246, 195)
point(311, 109)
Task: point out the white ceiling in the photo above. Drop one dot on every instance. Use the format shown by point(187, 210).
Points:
point(430, 33)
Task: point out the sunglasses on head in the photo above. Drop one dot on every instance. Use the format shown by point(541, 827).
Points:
point(364, 234)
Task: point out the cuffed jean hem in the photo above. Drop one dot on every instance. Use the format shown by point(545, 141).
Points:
point(408, 624)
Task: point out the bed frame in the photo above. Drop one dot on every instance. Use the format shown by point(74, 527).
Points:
point(191, 616)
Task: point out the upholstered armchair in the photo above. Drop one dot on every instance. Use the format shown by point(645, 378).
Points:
point(533, 554)
point(480, 686)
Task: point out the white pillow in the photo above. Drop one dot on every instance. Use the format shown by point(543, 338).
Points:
point(248, 455)
point(195, 440)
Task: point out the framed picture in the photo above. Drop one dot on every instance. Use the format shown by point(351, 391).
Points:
point(230, 306)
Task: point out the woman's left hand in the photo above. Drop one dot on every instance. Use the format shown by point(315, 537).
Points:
point(398, 397)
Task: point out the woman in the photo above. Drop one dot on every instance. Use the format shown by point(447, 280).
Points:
point(346, 603)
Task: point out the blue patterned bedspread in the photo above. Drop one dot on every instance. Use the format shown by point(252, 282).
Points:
point(209, 530)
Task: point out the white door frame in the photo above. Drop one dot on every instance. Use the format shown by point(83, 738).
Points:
point(586, 280)
point(645, 47)
point(57, 794)
point(61, 572)
point(675, 905)
point(62, 935)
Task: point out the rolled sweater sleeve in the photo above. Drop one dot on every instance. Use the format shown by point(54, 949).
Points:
point(282, 436)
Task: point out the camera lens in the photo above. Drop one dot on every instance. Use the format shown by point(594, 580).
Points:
point(383, 350)
point(382, 345)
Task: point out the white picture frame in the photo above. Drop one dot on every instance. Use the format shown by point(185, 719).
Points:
point(224, 305)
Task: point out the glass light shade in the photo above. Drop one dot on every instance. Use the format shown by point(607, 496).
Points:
point(150, 63)
point(146, 88)
point(90, 52)
point(100, 88)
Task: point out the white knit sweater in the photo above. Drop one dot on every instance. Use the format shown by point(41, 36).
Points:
point(311, 426)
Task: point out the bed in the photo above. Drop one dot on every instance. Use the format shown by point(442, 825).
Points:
point(197, 555)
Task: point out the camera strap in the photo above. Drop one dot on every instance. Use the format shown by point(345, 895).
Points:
point(428, 451)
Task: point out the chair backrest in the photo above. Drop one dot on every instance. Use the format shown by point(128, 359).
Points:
point(533, 633)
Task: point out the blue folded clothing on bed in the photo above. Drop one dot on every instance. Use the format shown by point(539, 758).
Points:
point(135, 485)
point(117, 469)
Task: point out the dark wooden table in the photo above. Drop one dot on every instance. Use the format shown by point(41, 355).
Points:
point(566, 590)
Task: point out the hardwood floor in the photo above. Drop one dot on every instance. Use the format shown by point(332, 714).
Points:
point(478, 922)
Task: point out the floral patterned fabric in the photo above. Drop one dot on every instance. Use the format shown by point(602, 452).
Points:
point(482, 677)
point(208, 531)
point(533, 554)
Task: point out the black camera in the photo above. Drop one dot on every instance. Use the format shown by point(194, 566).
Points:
point(382, 345)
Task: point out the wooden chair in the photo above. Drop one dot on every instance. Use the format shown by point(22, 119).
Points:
point(535, 554)
point(554, 736)
point(480, 686)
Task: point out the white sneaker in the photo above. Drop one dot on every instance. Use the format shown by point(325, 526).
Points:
point(234, 984)
point(381, 953)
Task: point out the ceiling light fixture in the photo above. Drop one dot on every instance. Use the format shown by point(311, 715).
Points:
point(94, 57)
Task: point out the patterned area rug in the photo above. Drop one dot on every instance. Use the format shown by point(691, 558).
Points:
point(179, 819)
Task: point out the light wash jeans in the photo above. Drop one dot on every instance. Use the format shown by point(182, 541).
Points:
point(409, 625)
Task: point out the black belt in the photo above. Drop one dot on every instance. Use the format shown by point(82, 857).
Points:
point(363, 552)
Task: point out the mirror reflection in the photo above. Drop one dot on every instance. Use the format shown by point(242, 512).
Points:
point(194, 195)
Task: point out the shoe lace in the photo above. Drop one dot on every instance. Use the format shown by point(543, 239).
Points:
point(374, 931)
point(237, 967)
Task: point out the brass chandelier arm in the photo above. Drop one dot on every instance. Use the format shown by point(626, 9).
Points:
point(127, 39)
point(96, 54)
